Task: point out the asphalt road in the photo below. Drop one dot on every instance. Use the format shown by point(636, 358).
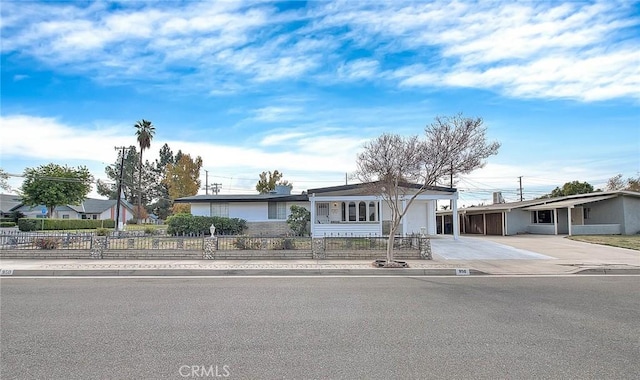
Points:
point(351, 328)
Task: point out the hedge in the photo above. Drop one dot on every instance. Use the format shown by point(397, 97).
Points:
point(7, 224)
point(187, 224)
point(32, 224)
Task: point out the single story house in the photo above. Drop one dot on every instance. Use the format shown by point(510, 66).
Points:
point(348, 210)
point(599, 213)
point(7, 203)
point(99, 209)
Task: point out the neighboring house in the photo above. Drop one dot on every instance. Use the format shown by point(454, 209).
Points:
point(349, 210)
point(99, 209)
point(599, 213)
point(7, 203)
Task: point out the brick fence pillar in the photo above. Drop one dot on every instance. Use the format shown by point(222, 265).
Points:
point(425, 248)
point(210, 246)
point(317, 248)
point(98, 246)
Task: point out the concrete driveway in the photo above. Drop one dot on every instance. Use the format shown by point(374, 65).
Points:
point(472, 248)
point(530, 254)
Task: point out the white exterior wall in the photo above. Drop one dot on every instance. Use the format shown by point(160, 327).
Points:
point(415, 218)
point(249, 211)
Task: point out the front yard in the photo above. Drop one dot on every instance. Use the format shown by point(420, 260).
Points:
point(622, 241)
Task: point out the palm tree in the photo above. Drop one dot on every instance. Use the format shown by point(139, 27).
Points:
point(144, 134)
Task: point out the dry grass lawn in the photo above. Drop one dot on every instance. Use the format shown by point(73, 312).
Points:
point(622, 241)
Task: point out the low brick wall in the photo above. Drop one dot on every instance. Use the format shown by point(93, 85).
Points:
point(262, 255)
point(44, 254)
point(151, 254)
point(365, 255)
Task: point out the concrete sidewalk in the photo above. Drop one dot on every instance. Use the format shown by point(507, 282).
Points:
point(511, 255)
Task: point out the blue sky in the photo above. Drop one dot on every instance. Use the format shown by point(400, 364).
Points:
point(300, 86)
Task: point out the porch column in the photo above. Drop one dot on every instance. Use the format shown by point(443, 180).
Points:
point(555, 221)
point(569, 209)
point(504, 223)
point(484, 223)
point(456, 221)
point(313, 214)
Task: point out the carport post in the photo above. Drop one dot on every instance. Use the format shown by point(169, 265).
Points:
point(455, 221)
point(555, 221)
point(569, 209)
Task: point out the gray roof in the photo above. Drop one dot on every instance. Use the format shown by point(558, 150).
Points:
point(272, 197)
point(366, 185)
point(8, 202)
point(243, 198)
point(88, 206)
point(545, 203)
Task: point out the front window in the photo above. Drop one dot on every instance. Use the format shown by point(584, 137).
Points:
point(373, 212)
point(543, 217)
point(220, 209)
point(352, 211)
point(277, 210)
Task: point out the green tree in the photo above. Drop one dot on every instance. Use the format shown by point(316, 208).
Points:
point(570, 188)
point(183, 177)
point(299, 220)
point(144, 134)
point(54, 185)
point(129, 173)
point(268, 181)
point(161, 205)
point(4, 178)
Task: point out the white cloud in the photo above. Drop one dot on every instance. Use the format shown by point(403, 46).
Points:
point(41, 140)
point(585, 51)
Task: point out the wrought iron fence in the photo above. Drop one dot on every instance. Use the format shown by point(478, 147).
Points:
point(179, 243)
point(85, 240)
point(241, 242)
point(370, 243)
point(43, 240)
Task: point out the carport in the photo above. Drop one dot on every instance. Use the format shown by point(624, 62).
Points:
point(568, 213)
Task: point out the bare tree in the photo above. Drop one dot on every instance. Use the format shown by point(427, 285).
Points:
point(401, 168)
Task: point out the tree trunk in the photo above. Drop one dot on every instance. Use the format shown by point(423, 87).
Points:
point(392, 234)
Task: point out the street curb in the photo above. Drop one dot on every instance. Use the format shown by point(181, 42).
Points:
point(588, 271)
point(236, 272)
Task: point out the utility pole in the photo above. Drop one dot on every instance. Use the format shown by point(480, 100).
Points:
point(206, 181)
point(119, 198)
point(215, 188)
point(521, 195)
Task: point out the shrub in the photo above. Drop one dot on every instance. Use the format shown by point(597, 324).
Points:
point(187, 224)
point(7, 224)
point(132, 221)
point(102, 231)
point(27, 224)
point(16, 215)
point(299, 220)
point(46, 242)
point(64, 224)
point(148, 230)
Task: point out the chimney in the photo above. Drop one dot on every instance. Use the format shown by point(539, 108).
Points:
point(283, 190)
